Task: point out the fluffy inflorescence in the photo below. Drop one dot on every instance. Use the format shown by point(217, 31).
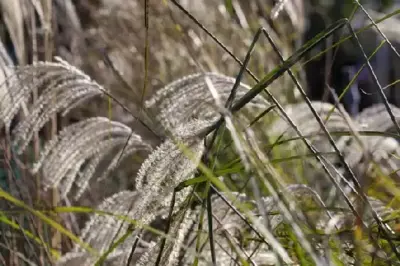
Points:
point(172, 162)
point(62, 87)
point(185, 109)
point(92, 140)
point(190, 97)
point(73, 155)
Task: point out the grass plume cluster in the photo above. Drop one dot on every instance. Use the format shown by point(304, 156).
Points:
point(135, 149)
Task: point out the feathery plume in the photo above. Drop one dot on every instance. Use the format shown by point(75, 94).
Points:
point(376, 117)
point(168, 162)
point(229, 232)
point(62, 85)
point(308, 125)
point(380, 148)
point(190, 97)
point(165, 168)
point(84, 143)
point(6, 69)
point(100, 230)
point(181, 224)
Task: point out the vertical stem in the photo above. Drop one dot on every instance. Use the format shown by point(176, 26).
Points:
point(48, 36)
point(36, 140)
point(210, 225)
point(36, 145)
point(48, 53)
point(146, 52)
point(13, 259)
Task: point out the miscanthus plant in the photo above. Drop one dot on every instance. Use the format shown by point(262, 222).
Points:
point(179, 210)
point(235, 177)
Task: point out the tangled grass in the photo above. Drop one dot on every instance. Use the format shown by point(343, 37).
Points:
point(205, 170)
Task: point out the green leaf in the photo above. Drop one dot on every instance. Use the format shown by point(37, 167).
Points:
point(46, 219)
